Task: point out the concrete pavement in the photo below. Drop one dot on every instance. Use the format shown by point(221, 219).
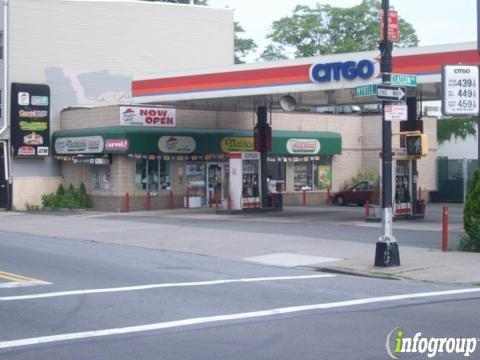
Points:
point(177, 231)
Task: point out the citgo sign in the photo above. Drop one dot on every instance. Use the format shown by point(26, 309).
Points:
point(348, 70)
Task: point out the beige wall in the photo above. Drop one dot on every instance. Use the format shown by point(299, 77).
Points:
point(27, 190)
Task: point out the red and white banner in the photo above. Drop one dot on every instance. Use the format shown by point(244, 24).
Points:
point(147, 116)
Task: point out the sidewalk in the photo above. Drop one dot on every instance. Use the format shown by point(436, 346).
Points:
point(177, 232)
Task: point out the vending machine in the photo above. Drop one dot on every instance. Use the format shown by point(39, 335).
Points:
point(245, 185)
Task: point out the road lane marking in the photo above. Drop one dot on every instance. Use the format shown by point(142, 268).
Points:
point(224, 318)
point(16, 284)
point(15, 277)
point(156, 286)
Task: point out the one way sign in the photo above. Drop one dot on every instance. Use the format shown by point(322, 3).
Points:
point(390, 93)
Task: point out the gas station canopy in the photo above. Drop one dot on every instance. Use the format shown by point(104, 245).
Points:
point(315, 81)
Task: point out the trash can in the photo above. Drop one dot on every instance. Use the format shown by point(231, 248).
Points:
point(275, 200)
point(421, 207)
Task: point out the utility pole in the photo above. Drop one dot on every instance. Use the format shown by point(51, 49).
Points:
point(386, 253)
point(478, 115)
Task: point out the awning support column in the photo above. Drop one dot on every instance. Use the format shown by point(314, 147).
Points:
point(262, 117)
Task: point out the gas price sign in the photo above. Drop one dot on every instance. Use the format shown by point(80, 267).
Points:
point(460, 90)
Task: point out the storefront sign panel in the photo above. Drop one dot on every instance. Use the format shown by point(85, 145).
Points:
point(303, 146)
point(79, 145)
point(116, 145)
point(236, 143)
point(177, 144)
point(30, 120)
point(147, 116)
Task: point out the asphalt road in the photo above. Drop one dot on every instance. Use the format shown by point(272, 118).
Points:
point(327, 222)
point(169, 305)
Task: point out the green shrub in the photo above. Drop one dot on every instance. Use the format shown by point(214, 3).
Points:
point(471, 241)
point(51, 200)
point(60, 190)
point(82, 197)
point(70, 199)
point(471, 216)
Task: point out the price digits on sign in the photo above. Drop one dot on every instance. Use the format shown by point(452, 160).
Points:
point(465, 92)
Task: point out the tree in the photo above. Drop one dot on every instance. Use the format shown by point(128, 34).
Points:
point(326, 29)
point(456, 127)
point(242, 46)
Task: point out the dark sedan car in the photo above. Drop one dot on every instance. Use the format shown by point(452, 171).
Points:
point(357, 194)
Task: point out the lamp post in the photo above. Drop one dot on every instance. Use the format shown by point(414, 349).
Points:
point(386, 252)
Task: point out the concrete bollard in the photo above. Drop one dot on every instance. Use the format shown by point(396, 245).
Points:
point(149, 201)
point(367, 209)
point(127, 202)
point(170, 200)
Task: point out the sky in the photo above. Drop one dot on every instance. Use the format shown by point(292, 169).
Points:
point(435, 21)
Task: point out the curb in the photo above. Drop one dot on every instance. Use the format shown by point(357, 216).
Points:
point(343, 271)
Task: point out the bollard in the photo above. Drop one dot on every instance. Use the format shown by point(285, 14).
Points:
point(328, 196)
point(419, 193)
point(210, 200)
point(367, 209)
point(127, 202)
point(170, 200)
point(304, 197)
point(187, 200)
point(445, 229)
point(215, 200)
point(229, 204)
point(149, 201)
point(274, 201)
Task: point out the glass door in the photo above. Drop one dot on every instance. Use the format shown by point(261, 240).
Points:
point(215, 179)
point(195, 181)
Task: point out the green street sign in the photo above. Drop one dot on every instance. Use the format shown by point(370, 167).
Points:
point(366, 90)
point(403, 80)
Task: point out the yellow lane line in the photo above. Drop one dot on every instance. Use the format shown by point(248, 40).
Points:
point(15, 277)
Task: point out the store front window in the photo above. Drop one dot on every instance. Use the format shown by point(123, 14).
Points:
point(101, 178)
point(152, 175)
point(313, 174)
point(276, 176)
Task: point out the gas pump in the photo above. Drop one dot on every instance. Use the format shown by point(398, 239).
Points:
point(245, 180)
point(402, 186)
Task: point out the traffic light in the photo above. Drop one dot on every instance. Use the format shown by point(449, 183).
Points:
point(417, 144)
point(264, 144)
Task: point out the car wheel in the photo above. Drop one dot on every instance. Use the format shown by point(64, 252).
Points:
point(340, 201)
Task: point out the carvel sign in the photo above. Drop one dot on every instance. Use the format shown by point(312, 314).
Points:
point(348, 70)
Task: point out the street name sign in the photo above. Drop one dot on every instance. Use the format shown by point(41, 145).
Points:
point(390, 93)
point(460, 90)
point(366, 90)
point(396, 112)
point(403, 80)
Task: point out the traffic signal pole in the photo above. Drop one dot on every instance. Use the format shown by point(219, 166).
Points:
point(386, 253)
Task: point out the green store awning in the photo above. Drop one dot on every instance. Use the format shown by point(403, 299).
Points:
point(142, 140)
